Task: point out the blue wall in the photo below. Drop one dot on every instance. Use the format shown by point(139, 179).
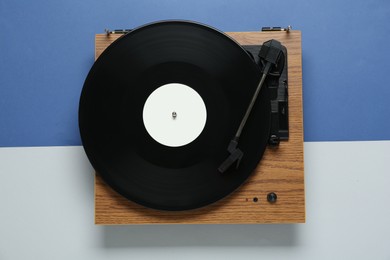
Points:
point(47, 48)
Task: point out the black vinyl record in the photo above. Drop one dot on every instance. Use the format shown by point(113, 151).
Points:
point(111, 115)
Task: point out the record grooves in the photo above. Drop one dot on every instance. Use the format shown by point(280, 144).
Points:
point(112, 128)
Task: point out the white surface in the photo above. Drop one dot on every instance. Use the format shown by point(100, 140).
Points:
point(46, 199)
point(190, 114)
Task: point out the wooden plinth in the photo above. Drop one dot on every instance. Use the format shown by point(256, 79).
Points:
point(280, 170)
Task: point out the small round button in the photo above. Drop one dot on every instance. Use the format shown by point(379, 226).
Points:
point(272, 197)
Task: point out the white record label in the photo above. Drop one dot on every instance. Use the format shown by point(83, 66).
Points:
point(174, 115)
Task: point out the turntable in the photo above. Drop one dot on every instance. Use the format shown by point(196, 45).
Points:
point(186, 124)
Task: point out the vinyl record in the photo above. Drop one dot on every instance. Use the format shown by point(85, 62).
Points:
point(183, 57)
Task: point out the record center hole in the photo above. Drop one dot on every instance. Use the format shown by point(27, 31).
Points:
point(255, 199)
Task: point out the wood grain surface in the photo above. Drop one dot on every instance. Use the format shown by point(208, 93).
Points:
point(281, 170)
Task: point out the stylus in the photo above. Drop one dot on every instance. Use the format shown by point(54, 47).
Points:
point(270, 53)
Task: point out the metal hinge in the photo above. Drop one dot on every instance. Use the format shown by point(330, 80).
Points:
point(276, 29)
point(120, 31)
